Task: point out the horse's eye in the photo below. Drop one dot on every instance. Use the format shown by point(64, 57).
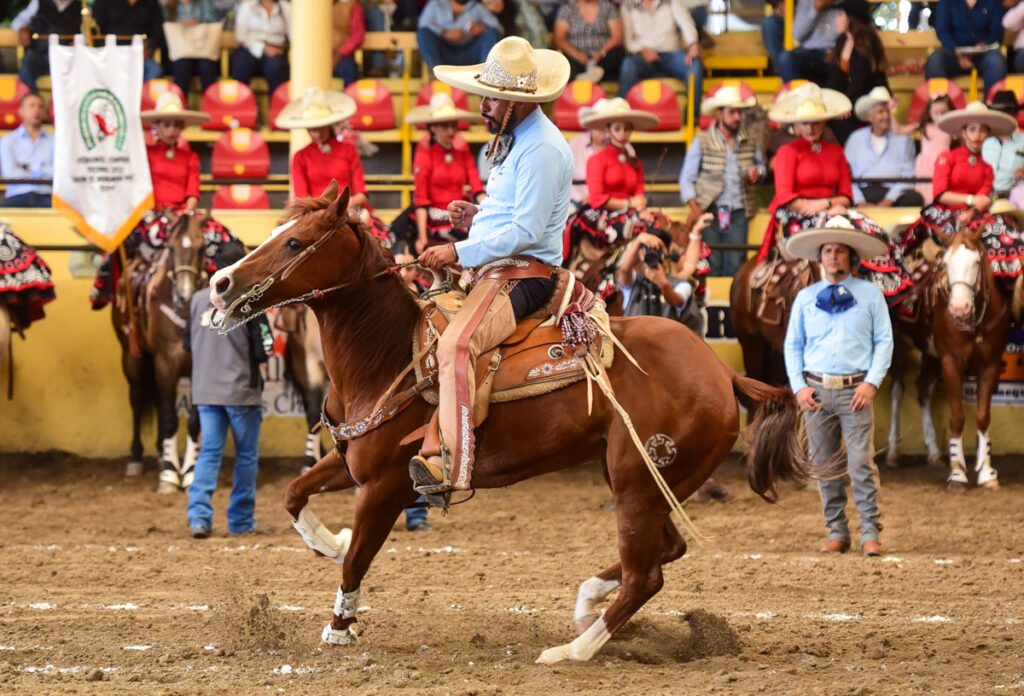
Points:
point(294, 244)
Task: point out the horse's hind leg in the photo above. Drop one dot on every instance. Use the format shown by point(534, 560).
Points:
point(596, 589)
point(329, 474)
point(133, 371)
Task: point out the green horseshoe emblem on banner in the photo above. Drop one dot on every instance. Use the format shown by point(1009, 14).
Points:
point(101, 116)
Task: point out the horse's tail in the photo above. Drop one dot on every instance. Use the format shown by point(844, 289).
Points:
point(1017, 303)
point(775, 448)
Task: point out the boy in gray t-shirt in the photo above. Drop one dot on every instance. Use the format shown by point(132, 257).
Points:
point(226, 388)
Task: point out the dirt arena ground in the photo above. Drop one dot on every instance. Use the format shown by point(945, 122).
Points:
point(104, 592)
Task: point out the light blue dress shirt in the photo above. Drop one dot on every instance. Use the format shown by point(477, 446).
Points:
point(812, 29)
point(857, 340)
point(438, 17)
point(23, 158)
point(895, 162)
point(732, 194)
point(527, 200)
point(1005, 159)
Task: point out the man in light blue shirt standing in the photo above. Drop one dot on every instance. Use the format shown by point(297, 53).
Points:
point(838, 348)
point(27, 153)
point(459, 32)
point(515, 235)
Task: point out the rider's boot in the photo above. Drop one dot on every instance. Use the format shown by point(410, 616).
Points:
point(430, 470)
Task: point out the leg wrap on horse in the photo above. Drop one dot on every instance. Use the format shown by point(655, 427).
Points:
point(583, 648)
point(957, 464)
point(188, 466)
point(345, 605)
point(321, 539)
point(987, 475)
point(170, 466)
point(591, 593)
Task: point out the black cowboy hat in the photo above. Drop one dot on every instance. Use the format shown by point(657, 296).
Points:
point(1005, 101)
point(855, 8)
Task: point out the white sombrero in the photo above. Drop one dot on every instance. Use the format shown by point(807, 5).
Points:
point(316, 108)
point(839, 229)
point(617, 110)
point(998, 123)
point(726, 96)
point(878, 95)
point(809, 103)
point(441, 109)
point(1005, 208)
point(169, 107)
point(514, 70)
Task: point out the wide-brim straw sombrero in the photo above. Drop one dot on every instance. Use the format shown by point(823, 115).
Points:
point(316, 108)
point(726, 96)
point(168, 107)
point(1006, 209)
point(853, 229)
point(877, 96)
point(441, 109)
point(808, 103)
point(617, 110)
point(998, 123)
point(514, 70)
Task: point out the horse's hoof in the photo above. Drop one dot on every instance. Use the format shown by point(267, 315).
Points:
point(133, 469)
point(992, 485)
point(956, 486)
point(553, 656)
point(167, 488)
point(333, 636)
point(892, 462)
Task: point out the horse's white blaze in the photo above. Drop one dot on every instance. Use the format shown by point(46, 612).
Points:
point(319, 538)
point(986, 472)
point(583, 648)
point(962, 268)
point(591, 593)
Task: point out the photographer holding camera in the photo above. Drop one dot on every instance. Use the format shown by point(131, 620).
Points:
point(657, 280)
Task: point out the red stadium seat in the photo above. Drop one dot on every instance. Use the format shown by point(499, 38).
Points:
point(932, 88)
point(374, 108)
point(577, 94)
point(278, 100)
point(1015, 84)
point(231, 104)
point(746, 91)
point(240, 154)
point(660, 99)
point(458, 97)
point(11, 92)
point(152, 89)
point(241, 196)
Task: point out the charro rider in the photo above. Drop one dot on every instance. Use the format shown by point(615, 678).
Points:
point(514, 242)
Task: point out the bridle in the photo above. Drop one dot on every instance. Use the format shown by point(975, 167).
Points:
point(979, 295)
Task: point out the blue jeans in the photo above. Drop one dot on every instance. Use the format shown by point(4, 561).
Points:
point(374, 18)
point(214, 422)
point(773, 35)
point(415, 515)
point(824, 427)
point(436, 50)
point(34, 64)
point(726, 263)
point(802, 63)
point(244, 66)
point(991, 66)
point(151, 70)
point(346, 69)
point(700, 16)
point(636, 68)
point(30, 199)
point(184, 69)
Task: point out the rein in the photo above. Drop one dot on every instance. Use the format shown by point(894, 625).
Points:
point(980, 294)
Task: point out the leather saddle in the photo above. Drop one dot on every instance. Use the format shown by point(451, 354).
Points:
point(530, 362)
point(773, 285)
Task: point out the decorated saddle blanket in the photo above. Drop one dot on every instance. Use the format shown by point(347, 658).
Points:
point(774, 284)
point(540, 357)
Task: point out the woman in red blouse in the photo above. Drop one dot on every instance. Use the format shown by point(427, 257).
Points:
point(443, 171)
point(962, 184)
point(812, 177)
point(174, 169)
point(329, 156)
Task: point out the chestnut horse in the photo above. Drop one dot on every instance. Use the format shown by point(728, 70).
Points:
point(685, 406)
point(971, 325)
point(155, 366)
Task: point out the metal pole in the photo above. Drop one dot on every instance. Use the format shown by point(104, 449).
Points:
point(310, 56)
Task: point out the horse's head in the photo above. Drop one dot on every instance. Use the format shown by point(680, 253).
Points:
point(187, 250)
point(963, 260)
point(285, 266)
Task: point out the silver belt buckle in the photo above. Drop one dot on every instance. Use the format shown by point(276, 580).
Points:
point(832, 381)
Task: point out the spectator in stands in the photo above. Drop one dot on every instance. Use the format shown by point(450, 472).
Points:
point(1013, 20)
point(661, 38)
point(589, 33)
point(857, 63)
point(584, 146)
point(520, 18)
point(27, 153)
point(1005, 153)
point(130, 17)
point(722, 166)
point(548, 10)
point(816, 33)
point(262, 29)
point(878, 152)
point(190, 13)
point(934, 142)
point(43, 17)
point(441, 172)
point(456, 32)
point(227, 388)
point(328, 156)
point(971, 35)
point(347, 31)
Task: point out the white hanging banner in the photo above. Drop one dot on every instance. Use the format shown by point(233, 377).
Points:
point(101, 176)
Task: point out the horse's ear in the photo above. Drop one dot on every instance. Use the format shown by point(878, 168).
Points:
point(337, 211)
point(331, 192)
point(343, 199)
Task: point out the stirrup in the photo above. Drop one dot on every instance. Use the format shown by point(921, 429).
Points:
point(424, 481)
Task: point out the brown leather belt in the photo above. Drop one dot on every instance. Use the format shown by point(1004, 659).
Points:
point(835, 381)
point(511, 268)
